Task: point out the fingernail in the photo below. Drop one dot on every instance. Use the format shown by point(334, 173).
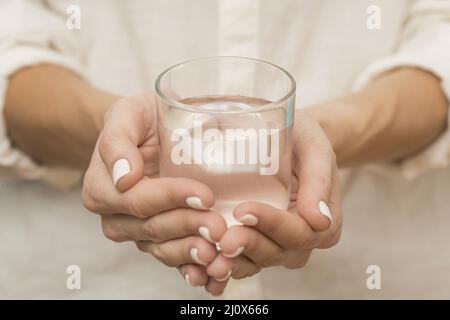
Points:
point(187, 278)
point(224, 278)
point(248, 220)
point(121, 168)
point(195, 257)
point(325, 210)
point(218, 247)
point(195, 203)
point(234, 254)
point(204, 232)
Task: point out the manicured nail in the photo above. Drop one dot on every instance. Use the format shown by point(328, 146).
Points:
point(121, 168)
point(234, 254)
point(248, 220)
point(224, 278)
point(204, 232)
point(323, 208)
point(218, 247)
point(195, 203)
point(196, 258)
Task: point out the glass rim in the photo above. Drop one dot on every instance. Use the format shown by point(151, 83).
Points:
point(183, 106)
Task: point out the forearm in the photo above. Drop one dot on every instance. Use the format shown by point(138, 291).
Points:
point(54, 116)
point(395, 116)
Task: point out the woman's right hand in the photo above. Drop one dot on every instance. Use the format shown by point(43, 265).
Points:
point(167, 217)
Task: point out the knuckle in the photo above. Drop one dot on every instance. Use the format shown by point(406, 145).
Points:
point(105, 144)
point(266, 262)
point(274, 224)
point(158, 254)
point(88, 201)
point(239, 275)
point(271, 260)
point(323, 179)
point(152, 230)
point(297, 259)
point(301, 241)
point(298, 264)
point(88, 198)
point(132, 204)
point(140, 246)
point(111, 233)
point(170, 195)
point(248, 272)
point(332, 241)
point(215, 221)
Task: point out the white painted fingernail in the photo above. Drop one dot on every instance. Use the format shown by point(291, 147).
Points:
point(323, 208)
point(188, 279)
point(248, 220)
point(224, 278)
point(195, 203)
point(204, 232)
point(234, 254)
point(196, 258)
point(218, 247)
point(121, 168)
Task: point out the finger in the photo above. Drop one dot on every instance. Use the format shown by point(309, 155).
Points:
point(126, 126)
point(216, 288)
point(177, 252)
point(194, 275)
point(332, 235)
point(316, 166)
point(147, 198)
point(251, 243)
point(180, 223)
point(287, 229)
point(221, 269)
point(173, 224)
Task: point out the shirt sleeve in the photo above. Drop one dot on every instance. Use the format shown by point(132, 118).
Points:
point(424, 44)
point(30, 34)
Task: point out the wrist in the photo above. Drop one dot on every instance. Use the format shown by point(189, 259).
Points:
point(349, 122)
point(95, 103)
point(88, 123)
point(53, 115)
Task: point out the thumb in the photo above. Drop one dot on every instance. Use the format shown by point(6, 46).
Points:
point(119, 142)
point(316, 169)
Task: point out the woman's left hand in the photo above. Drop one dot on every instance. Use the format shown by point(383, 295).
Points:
point(270, 236)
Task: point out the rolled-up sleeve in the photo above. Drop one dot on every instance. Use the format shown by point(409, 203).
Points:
point(424, 44)
point(30, 34)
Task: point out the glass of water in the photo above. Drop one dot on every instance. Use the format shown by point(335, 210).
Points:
point(226, 122)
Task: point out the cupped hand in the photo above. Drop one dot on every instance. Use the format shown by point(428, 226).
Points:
point(274, 237)
point(167, 217)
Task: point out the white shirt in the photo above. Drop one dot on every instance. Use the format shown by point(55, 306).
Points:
point(391, 221)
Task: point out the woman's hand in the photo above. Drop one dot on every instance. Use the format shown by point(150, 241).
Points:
point(270, 236)
point(167, 217)
point(384, 121)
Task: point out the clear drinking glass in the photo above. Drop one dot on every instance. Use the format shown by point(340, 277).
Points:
point(226, 121)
